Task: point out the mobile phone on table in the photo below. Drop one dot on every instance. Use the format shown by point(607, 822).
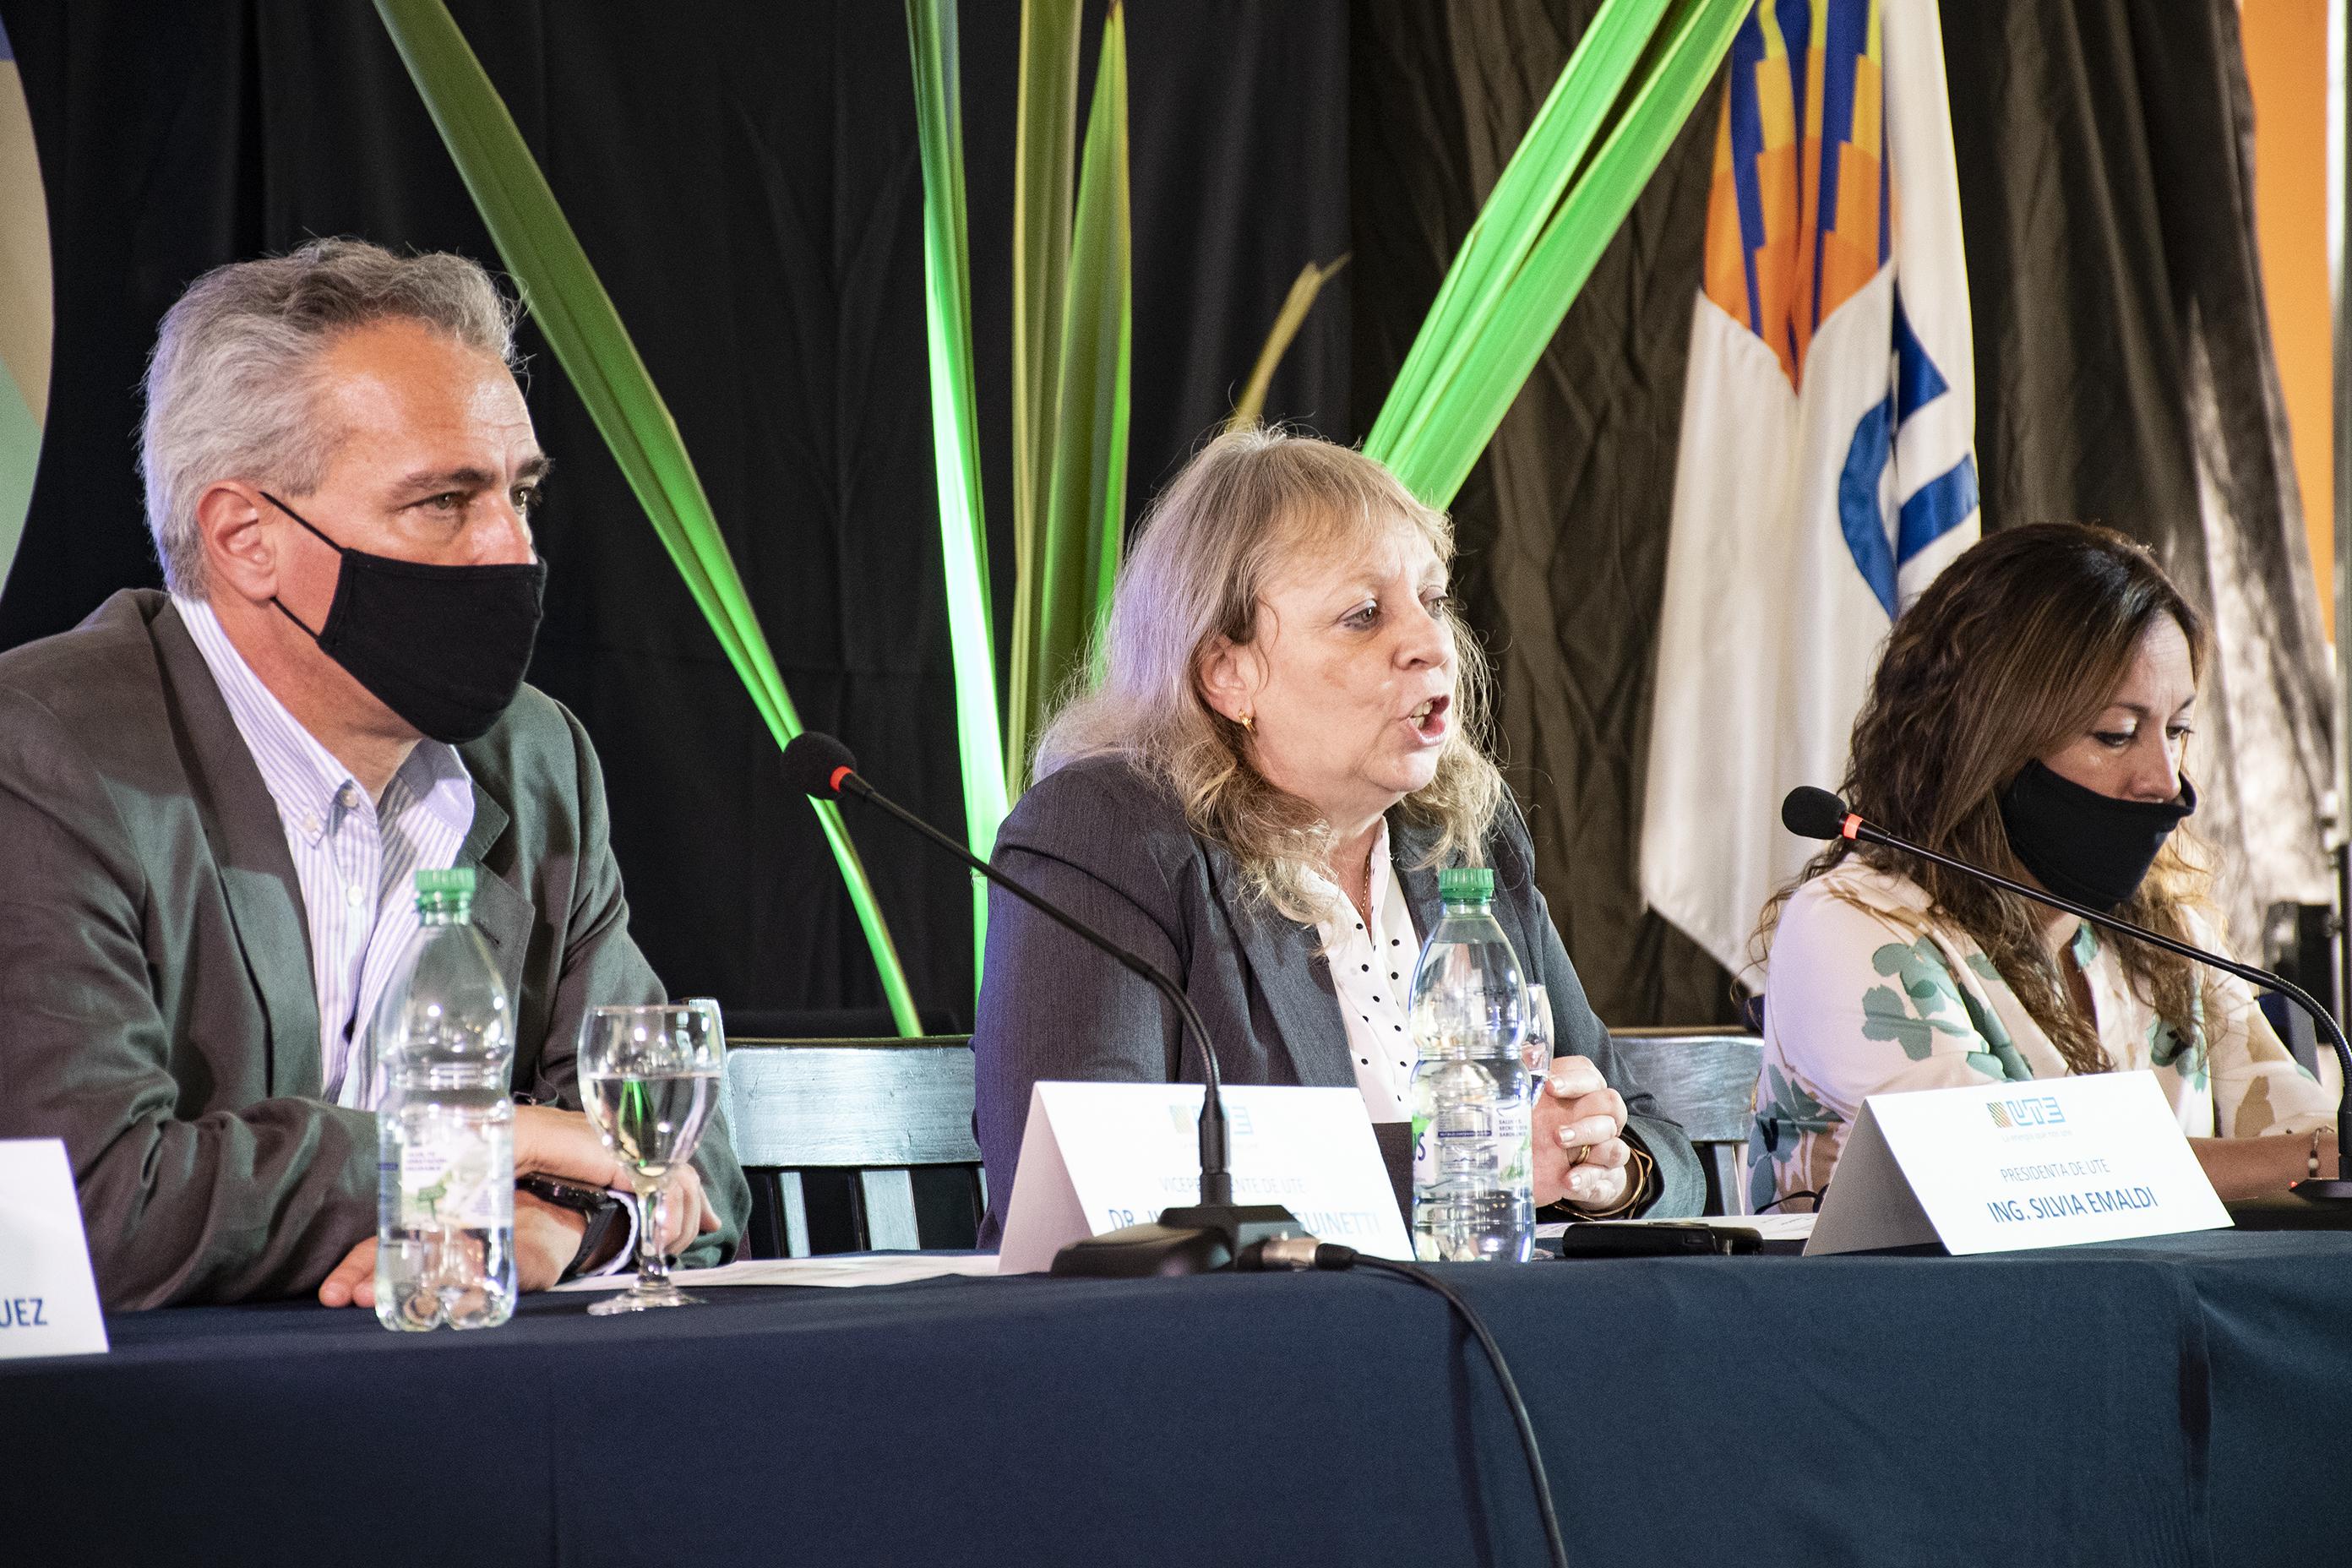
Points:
point(1664, 1239)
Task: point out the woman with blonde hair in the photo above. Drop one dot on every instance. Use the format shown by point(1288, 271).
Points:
point(2031, 715)
point(1284, 745)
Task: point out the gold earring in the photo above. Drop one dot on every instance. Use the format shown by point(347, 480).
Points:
point(1247, 722)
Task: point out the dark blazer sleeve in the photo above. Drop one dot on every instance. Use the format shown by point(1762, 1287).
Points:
point(227, 1207)
point(1681, 1184)
point(1052, 1006)
point(601, 965)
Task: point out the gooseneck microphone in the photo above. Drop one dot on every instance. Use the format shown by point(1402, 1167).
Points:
point(1215, 1233)
point(1810, 813)
point(1205, 1235)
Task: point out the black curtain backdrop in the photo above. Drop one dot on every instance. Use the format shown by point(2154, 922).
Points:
point(2125, 373)
point(744, 175)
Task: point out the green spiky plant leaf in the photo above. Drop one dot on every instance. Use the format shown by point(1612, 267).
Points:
point(1072, 310)
point(1073, 330)
point(1250, 407)
point(569, 302)
point(1086, 498)
point(955, 432)
point(1046, 144)
point(1630, 83)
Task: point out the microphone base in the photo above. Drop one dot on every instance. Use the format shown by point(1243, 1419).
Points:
point(1197, 1239)
point(2305, 1206)
point(2329, 1191)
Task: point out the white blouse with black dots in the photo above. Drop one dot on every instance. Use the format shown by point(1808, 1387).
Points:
point(1371, 971)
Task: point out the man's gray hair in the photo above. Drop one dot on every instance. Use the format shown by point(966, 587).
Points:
point(230, 388)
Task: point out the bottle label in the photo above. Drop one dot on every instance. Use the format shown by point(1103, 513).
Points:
point(457, 1177)
point(1512, 1131)
point(1473, 1144)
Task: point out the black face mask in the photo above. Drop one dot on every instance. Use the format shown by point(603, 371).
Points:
point(443, 646)
point(2084, 846)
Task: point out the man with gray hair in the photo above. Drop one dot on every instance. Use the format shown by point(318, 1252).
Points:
point(213, 800)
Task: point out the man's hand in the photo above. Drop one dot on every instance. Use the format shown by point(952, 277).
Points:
point(352, 1284)
point(1580, 1146)
point(565, 1143)
point(546, 1239)
point(552, 1142)
point(687, 1210)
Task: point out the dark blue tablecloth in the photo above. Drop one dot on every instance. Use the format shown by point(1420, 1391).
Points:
point(2142, 1403)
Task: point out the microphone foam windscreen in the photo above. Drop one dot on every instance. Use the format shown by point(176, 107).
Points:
point(812, 759)
point(1810, 813)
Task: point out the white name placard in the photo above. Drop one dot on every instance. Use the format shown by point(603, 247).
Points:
point(48, 1298)
point(1096, 1157)
point(1998, 1167)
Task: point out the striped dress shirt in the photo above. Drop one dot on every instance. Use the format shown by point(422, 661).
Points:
point(356, 859)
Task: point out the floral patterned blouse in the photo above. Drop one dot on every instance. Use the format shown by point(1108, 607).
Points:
point(1868, 992)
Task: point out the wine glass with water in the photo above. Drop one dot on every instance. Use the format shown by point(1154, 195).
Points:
point(649, 1076)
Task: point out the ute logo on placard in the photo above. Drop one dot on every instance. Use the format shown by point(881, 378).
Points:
point(1187, 1117)
point(2042, 1111)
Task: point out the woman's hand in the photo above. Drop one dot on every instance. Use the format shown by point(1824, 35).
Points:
point(1580, 1152)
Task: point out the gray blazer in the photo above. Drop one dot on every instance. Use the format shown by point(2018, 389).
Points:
point(157, 1010)
point(1115, 849)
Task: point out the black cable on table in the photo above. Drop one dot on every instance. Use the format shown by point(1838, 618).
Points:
point(1308, 1253)
point(1789, 1198)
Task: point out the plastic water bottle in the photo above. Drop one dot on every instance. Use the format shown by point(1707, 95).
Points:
point(442, 1046)
point(1473, 1185)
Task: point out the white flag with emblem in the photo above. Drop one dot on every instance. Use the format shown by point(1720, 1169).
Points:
point(1827, 467)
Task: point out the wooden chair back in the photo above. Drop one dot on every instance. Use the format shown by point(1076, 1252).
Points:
point(1705, 1079)
point(866, 1144)
point(855, 1144)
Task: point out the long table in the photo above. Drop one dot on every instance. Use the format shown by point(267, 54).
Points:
point(2172, 1402)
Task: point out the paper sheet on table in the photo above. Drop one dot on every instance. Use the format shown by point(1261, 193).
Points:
point(880, 1269)
point(1771, 1227)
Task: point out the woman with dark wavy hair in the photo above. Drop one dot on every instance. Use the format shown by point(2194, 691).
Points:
point(2029, 715)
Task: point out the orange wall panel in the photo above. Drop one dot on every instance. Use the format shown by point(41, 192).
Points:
point(2287, 61)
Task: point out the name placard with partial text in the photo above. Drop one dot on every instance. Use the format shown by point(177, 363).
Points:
point(2002, 1167)
point(1097, 1156)
point(48, 1297)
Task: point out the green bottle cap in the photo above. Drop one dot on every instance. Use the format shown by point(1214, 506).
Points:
point(447, 896)
point(1466, 884)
